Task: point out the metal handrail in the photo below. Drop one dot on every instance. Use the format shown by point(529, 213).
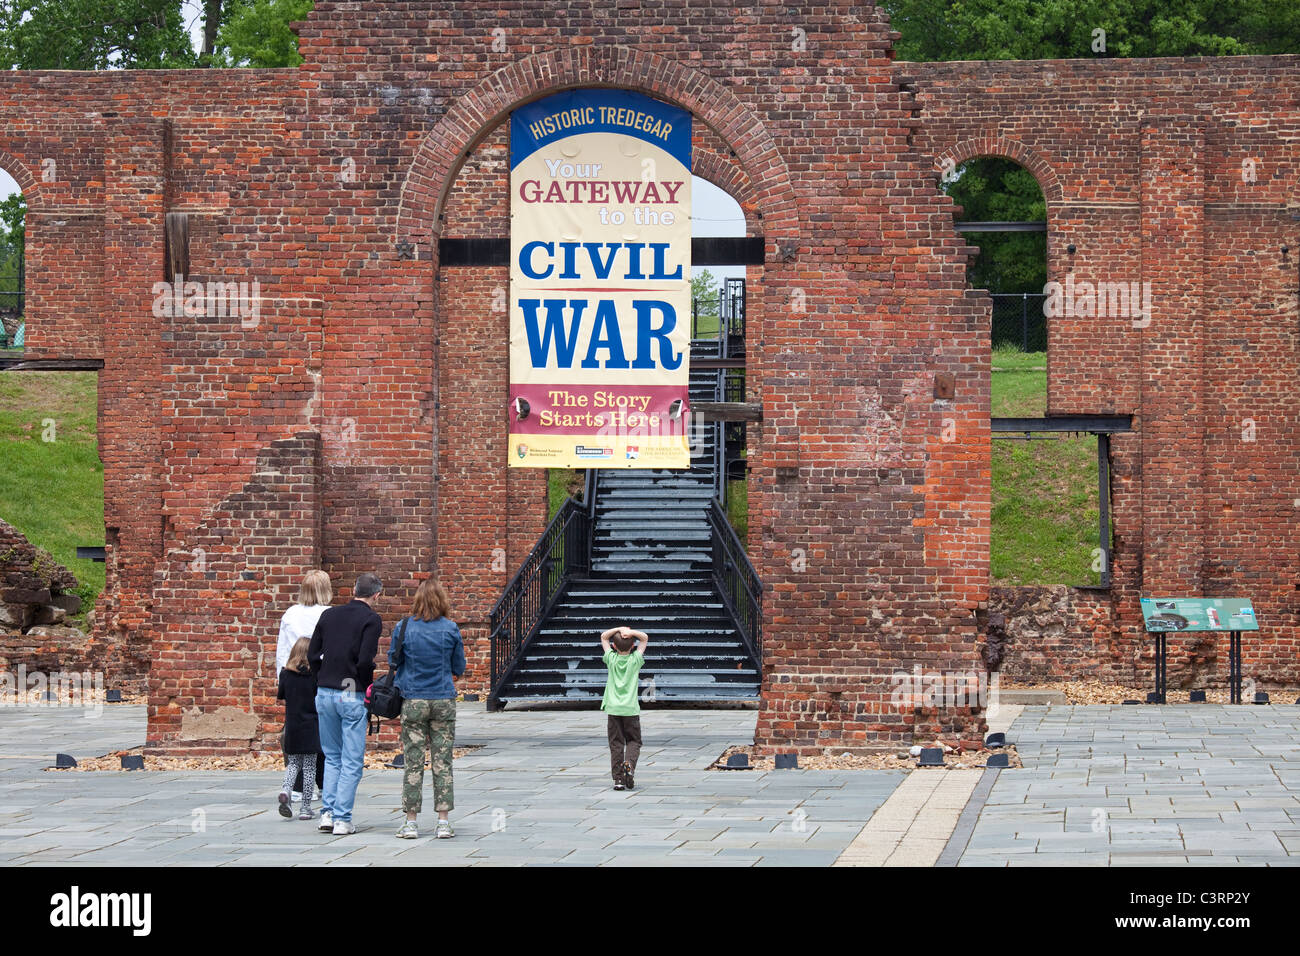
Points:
point(563, 551)
point(737, 583)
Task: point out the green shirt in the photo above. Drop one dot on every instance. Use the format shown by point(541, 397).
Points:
point(621, 685)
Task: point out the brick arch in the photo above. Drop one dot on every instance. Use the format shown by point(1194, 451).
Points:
point(16, 168)
point(478, 111)
point(725, 173)
point(1014, 150)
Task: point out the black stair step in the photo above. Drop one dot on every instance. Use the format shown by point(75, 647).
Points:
point(631, 593)
point(689, 582)
point(536, 668)
point(640, 526)
point(662, 682)
point(658, 487)
point(666, 652)
point(679, 616)
point(650, 543)
point(666, 479)
point(671, 697)
point(624, 567)
point(582, 639)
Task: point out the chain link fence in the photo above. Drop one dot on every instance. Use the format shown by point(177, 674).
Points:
point(1018, 320)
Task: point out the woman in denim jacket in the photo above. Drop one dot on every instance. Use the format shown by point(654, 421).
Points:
point(430, 656)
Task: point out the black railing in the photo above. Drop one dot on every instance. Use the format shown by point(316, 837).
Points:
point(737, 583)
point(733, 307)
point(721, 316)
point(563, 551)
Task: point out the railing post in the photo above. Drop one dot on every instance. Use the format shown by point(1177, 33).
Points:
point(1024, 322)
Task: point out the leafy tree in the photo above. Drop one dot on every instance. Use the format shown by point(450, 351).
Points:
point(146, 34)
point(990, 188)
point(93, 35)
point(13, 211)
point(256, 33)
point(1056, 29)
point(705, 296)
point(993, 189)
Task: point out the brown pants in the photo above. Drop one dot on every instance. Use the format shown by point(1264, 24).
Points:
point(624, 742)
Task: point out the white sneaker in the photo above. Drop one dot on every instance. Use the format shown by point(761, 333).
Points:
point(295, 795)
point(408, 831)
point(326, 821)
point(344, 827)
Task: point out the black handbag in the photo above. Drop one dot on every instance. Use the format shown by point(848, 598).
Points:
point(384, 700)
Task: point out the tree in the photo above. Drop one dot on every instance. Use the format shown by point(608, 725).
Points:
point(992, 188)
point(705, 296)
point(146, 34)
point(256, 33)
point(13, 211)
point(93, 35)
point(1057, 29)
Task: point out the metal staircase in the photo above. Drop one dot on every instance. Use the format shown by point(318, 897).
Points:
point(651, 549)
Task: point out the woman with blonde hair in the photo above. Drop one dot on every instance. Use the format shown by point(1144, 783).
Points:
point(314, 596)
point(424, 658)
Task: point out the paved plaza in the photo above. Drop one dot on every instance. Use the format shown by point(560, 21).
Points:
point(1191, 784)
point(1198, 784)
point(538, 792)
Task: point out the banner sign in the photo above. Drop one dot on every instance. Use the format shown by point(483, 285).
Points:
point(600, 282)
point(1198, 614)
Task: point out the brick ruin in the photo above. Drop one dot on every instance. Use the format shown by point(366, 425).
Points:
point(349, 417)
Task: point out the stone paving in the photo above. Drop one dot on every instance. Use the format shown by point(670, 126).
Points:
point(914, 824)
point(1200, 785)
point(537, 793)
point(1194, 784)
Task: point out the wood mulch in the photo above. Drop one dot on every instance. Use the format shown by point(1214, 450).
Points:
point(12, 697)
point(267, 760)
point(953, 759)
point(1085, 692)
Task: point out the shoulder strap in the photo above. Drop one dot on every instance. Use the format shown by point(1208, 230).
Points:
point(398, 637)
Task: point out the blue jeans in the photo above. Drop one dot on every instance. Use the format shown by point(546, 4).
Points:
point(342, 717)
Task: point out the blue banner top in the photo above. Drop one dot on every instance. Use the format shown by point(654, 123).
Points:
point(599, 111)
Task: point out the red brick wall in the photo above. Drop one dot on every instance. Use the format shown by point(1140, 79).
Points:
point(329, 185)
point(1141, 162)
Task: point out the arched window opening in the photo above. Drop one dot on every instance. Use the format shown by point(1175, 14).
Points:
point(1046, 510)
point(13, 273)
point(718, 328)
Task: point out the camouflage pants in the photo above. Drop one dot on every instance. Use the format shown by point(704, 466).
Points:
point(427, 725)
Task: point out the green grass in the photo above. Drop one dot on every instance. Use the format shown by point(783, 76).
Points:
point(1044, 492)
point(561, 484)
point(706, 326)
point(53, 491)
point(738, 508)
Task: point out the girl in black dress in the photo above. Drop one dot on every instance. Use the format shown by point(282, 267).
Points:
point(301, 731)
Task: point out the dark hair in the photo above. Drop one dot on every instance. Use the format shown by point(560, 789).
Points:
point(368, 585)
point(622, 643)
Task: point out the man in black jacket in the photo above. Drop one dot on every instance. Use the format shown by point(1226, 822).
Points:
point(342, 656)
